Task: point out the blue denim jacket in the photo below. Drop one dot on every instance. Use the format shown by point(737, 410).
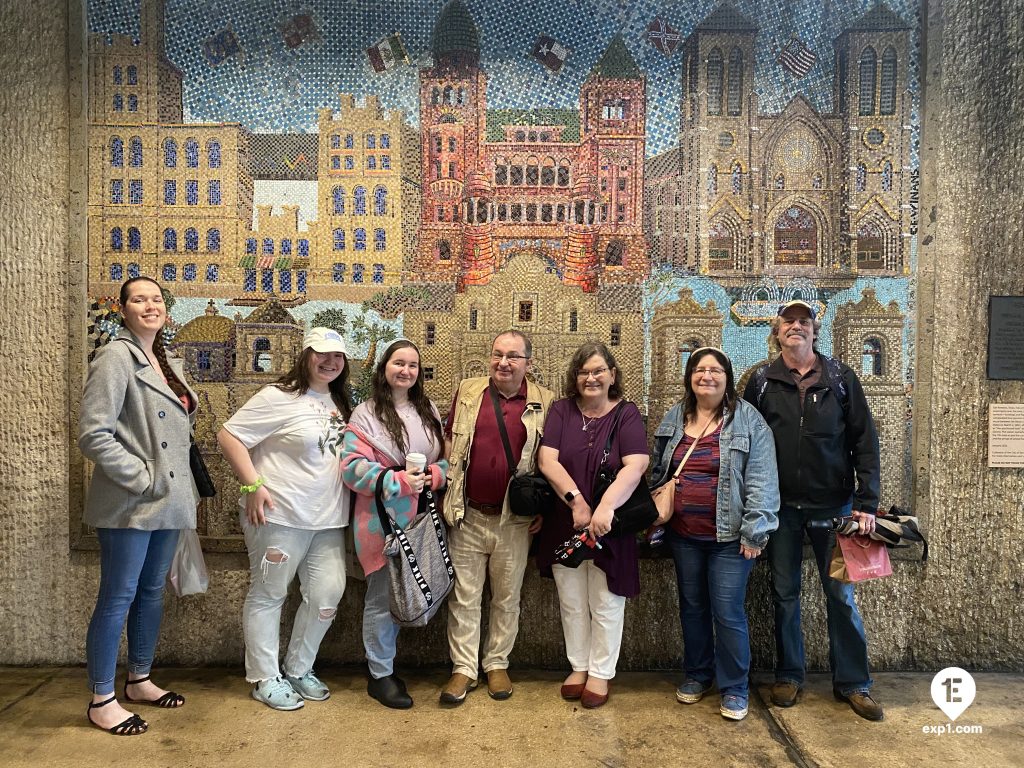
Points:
point(748, 476)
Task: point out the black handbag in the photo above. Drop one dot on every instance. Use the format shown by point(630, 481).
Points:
point(530, 494)
point(636, 513)
point(200, 474)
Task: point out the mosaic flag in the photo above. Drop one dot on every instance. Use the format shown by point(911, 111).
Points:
point(796, 57)
point(551, 53)
point(298, 29)
point(221, 46)
point(662, 36)
point(388, 53)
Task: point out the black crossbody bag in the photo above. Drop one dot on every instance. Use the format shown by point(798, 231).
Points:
point(529, 494)
point(636, 513)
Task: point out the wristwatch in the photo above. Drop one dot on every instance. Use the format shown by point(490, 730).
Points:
point(570, 495)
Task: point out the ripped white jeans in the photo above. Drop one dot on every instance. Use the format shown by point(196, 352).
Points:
point(276, 554)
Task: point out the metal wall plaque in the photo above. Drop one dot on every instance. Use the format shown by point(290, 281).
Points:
point(1006, 337)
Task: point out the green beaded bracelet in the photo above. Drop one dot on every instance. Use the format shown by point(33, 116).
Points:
point(251, 488)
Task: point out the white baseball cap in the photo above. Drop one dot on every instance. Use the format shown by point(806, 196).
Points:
point(811, 309)
point(324, 340)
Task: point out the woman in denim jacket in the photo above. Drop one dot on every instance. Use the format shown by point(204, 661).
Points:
point(726, 504)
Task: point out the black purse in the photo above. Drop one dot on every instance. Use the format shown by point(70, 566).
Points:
point(201, 475)
point(636, 513)
point(530, 494)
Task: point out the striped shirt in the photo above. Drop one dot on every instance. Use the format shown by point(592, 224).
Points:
point(697, 492)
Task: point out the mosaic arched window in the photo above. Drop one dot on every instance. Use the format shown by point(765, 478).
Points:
point(378, 273)
point(213, 153)
point(357, 273)
point(371, 163)
point(135, 152)
point(116, 239)
point(338, 273)
point(134, 239)
point(133, 75)
point(385, 141)
point(435, 96)
point(563, 173)
point(734, 102)
point(444, 250)
point(379, 240)
point(736, 179)
point(870, 245)
point(452, 144)
point(720, 246)
point(714, 68)
point(170, 240)
point(449, 95)
point(133, 102)
point(286, 246)
point(371, 141)
point(303, 248)
point(213, 240)
point(360, 239)
point(887, 177)
point(532, 171)
point(500, 172)
point(614, 253)
point(189, 272)
point(515, 175)
point(250, 245)
point(796, 237)
point(116, 272)
point(133, 270)
point(338, 200)
point(712, 181)
point(170, 273)
point(268, 246)
point(192, 153)
point(191, 239)
point(117, 76)
point(380, 201)
point(116, 152)
point(118, 102)
point(868, 65)
point(170, 153)
point(887, 92)
point(212, 273)
point(359, 201)
point(860, 181)
point(547, 172)
point(872, 359)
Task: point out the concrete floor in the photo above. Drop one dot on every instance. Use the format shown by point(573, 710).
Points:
point(42, 723)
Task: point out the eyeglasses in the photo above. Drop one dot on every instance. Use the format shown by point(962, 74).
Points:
point(512, 357)
point(709, 369)
point(587, 374)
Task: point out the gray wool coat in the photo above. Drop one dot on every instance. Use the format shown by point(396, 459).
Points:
point(136, 432)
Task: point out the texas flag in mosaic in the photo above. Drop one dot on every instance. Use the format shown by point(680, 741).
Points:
point(662, 36)
point(796, 57)
point(551, 53)
point(388, 53)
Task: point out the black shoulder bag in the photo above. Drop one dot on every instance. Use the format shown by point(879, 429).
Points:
point(638, 512)
point(529, 494)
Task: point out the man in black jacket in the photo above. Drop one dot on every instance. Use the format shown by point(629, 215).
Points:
point(827, 448)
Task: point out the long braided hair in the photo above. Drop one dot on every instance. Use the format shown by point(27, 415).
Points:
point(159, 351)
point(384, 404)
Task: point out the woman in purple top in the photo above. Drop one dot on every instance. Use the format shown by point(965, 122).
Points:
point(592, 597)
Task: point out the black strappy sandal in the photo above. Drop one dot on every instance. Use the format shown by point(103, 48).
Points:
point(132, 726)
point(169, 700)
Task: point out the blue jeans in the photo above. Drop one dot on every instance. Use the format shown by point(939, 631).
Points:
point(133, 571)
point(847, 644)
point(380, 632)
point(712, 579)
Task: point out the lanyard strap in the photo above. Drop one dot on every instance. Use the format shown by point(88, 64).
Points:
point(693, 445)
point(501, 428)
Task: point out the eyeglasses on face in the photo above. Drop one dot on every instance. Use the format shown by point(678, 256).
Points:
point(512, 357)
point(713, 370)
point(596, 372)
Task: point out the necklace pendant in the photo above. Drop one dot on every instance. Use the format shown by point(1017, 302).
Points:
point(584, 427)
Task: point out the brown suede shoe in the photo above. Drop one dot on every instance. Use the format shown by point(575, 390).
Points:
point(862, 703)
point(784, 693)
point(499, 685)
point(456, 689)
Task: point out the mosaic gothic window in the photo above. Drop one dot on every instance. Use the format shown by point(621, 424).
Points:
point(338, 200)
point(714, 69)
point(116, 153)
point(736, 179)
point(868, 64)
point(887, 95)
point(887, 177)
point(359, 201)
point(720, 246)
point(712, 181)
point(380, 201)
point(135, 152)
point(192, 153)
point(170, 153)
point(796, 238)
point(870, 246)
point(735, 100)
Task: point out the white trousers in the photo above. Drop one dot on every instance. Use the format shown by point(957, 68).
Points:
point(592, 619)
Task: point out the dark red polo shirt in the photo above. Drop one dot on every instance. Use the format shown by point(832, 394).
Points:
point(488, 472)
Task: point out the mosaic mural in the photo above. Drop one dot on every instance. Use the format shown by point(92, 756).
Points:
point(657, 175)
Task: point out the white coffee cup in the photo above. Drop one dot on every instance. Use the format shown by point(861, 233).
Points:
point(415, 462)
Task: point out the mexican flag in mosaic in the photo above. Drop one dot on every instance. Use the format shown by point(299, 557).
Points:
point(387, 53)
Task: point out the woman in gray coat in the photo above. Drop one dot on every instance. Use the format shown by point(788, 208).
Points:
point(136, 417)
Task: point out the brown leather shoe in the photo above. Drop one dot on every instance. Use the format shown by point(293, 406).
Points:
point(572, 691)
point(862, 703)
point(456, 689)
point(784, 693)
point(499, 685)
point(591, 700)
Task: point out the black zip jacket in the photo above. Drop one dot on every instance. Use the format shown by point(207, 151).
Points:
point(827, 450)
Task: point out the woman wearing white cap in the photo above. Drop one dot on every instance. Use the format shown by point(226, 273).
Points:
point(284, 446)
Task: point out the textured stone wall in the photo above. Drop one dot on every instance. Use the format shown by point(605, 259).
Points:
point(964, 607)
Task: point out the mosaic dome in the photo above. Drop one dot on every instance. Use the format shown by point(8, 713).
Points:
point(455, 33)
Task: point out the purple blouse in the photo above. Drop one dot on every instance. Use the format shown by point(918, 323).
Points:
point(580, 452)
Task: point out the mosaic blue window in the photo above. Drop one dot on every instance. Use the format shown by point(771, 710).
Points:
point(268, 246)
point(133, 102)
point(250, 245)
point(378, 273)
point(300, 281)
point(380, 201)
point(712, 181)
point(116, 152)
point(135, 152)
point(360, 239)
point(213, 192)
point(118, 78)
point(350, 163)
point(284, 281)
point(213, 240)
point(303, 248)
point(133, 270)
point(887, 95)
point(385, 141)
point(371, 163)
point(203, 362)
point(116, 239)
point(189, 272)
point(134, 239)
point(339, 239)
point(359, 201)
point(192, 191)
point(116, 272)
point(737, 179)
point(192, 153)
point(887, 177)
point(379, 240)
point(714, 70)
point(170, 153)
point(336, 163)
point(212, 273)
point(133, 75)
point(861, 178)
point(170, 273)
point(780, 182)
point(385, 162)
point(349, 141)
point(872, 360)
point(335, 141)
point(357, 273)
point(170, 192)
point(213, 153)
point(338, 200)
point(286, 247)
point(249, 281)
point(118, 102)
point(868, 63)
point(135, 192)
point(267, 280)
point(170, 239)
point(338, 273)
point(116, 191)
point(371, 141)
point(191, 239)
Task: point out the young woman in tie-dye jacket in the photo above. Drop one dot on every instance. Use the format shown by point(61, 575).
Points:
point(398, 420)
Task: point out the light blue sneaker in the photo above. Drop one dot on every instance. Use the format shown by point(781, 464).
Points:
point(278, 693)
point(692, 691)
point(733, 707)
point(310, 687)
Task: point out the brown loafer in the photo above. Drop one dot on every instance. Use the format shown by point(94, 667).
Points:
point(862, 703)
point(572, 691)
point(784, 693)
point(499, 684)
point(458, 685)
point(591, 700)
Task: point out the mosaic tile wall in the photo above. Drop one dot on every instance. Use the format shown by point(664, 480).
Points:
point(657, 175)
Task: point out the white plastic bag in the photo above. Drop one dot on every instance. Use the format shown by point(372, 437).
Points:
point(188, 574)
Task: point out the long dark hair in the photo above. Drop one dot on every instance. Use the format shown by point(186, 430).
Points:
point(579, 359)
point(384, 403)
point(728, 404)
point(297, 380)
point(177, 387)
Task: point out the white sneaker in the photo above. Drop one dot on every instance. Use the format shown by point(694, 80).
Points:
point(310, 687)
point(277, 693)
